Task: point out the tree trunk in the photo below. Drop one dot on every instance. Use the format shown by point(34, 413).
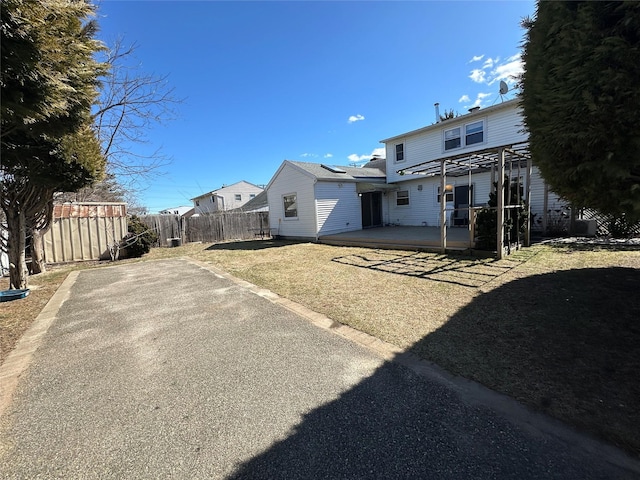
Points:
point(16, 227)
point(38, 264)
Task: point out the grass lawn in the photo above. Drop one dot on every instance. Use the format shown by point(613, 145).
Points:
point(555, 327)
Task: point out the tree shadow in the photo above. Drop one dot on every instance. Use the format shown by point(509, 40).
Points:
point(252, 244)
point(464, 271)
point(567, 343)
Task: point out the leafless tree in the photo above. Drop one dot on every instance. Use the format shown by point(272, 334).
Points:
point(131, 102)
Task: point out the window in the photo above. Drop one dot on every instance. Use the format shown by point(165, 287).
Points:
point(399, 152)
point(402, 197)
point(452, 139)
point(474, 133)
point(197, 203)
point(238, 197)
point(252, 195)
point(290, 206)
point(449, 196)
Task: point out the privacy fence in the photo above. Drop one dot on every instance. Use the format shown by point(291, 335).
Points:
point(216, 227)
point(84, 231)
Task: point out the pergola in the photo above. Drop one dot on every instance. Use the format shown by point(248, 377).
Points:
point(501, 160)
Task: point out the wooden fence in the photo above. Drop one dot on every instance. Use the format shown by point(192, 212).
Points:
point(216, 227)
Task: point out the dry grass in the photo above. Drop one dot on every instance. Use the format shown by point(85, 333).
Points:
point(555, 327)
point(17, 316)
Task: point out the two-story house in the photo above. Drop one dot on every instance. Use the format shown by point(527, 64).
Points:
point(466, 149)
point(436, 176)
point(228, 197)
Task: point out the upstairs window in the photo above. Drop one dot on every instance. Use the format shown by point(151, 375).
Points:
point(464, 136)
point(290, 206)
point(238, 197)
point(252, 195)
point(474, 133)
point(402, 197)
point(399, 152)
point(452, 139)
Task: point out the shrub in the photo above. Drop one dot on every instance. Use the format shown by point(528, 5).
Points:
point(139, 239)
point(487, 219)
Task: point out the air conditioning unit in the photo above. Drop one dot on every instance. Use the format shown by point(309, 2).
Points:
point(585, 228)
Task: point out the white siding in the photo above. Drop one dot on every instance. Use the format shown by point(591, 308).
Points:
point(537, 199)
point(289, 180)
point(338, 207)
point(502, 126)
point(225, 198)
point(423, 203)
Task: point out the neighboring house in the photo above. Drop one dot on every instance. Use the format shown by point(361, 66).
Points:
point(469, 144)
point(307, 200)
point(183, 211)
point(259, 203)
point(228, 197)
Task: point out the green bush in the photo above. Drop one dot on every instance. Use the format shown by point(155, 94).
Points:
point(487, 219)
point(139, 239)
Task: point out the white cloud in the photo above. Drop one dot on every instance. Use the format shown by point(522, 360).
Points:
point(493, 70)
point(306, 155)
point(478, 75)
point(490, 62)
point(476, 58)
point(478, 101)
point(354, 158)
point(508, 71)
point(377, 152)
point(464, 99)
point(328, 155)
point(356, 118)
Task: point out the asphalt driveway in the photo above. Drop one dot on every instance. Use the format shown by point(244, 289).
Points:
point(170, 369)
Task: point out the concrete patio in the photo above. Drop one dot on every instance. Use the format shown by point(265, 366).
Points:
point(402, 237)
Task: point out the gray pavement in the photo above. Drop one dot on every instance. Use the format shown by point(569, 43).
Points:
point(170, 369)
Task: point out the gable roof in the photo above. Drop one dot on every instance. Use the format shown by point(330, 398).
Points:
point(513, 103)
point(226, 187)
point(329, 172)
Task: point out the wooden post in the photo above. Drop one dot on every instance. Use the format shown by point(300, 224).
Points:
point(469, 207)
point(500, 212)
point(545, 208)
point(443, 208)
point(527, 231)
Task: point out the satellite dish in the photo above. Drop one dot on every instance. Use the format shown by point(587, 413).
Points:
point(504, 88)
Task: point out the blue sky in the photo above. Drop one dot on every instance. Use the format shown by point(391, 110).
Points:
point(312, 81)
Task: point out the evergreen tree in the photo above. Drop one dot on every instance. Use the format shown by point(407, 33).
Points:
point(580, 99)
point(49, 82)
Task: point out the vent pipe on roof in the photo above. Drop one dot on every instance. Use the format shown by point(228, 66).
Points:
point(437, 105)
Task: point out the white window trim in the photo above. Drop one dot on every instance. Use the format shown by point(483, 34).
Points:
point(395, 152)
point(408, 198)
point(284, 211)
point(463, 135)
point(444, 138)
